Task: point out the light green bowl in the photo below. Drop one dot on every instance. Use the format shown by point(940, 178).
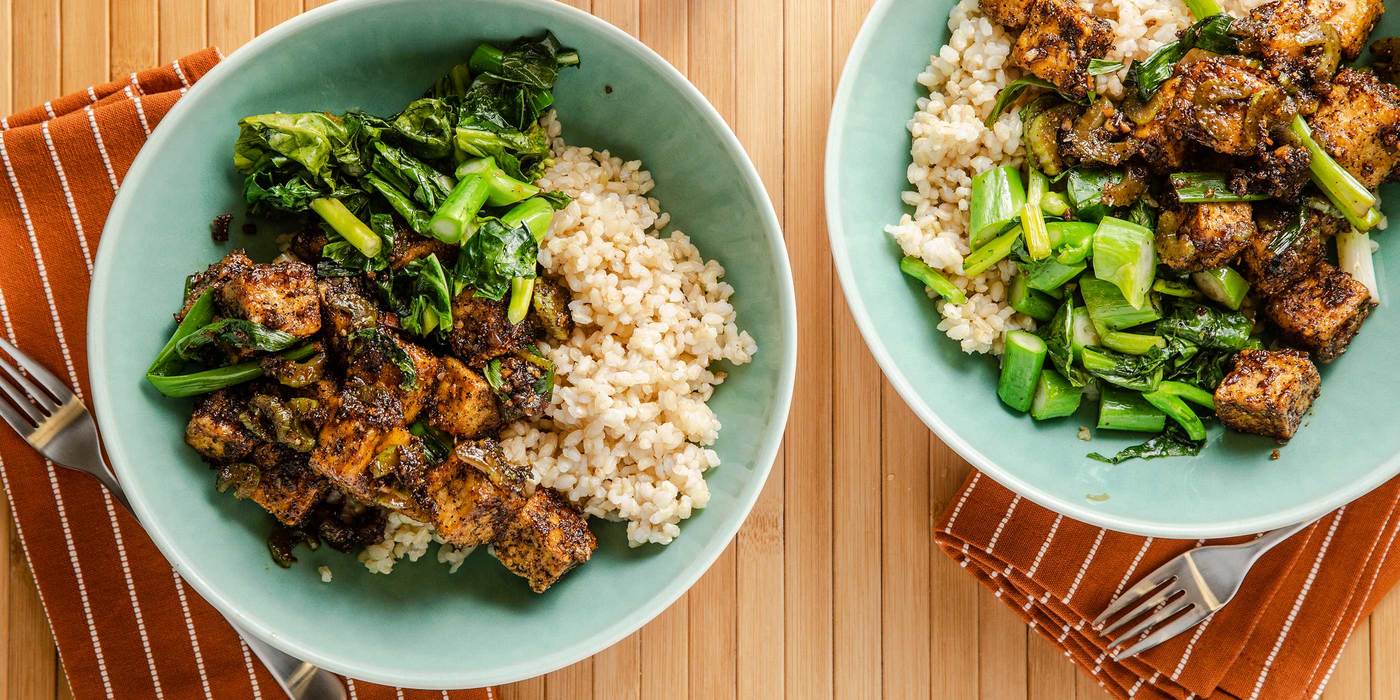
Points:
point(1349, 443)
point(422, 627)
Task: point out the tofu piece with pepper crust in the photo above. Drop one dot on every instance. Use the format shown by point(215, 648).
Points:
point(214, 277)
point(376, 356)
point(1267, 392)
point(287, 487)
point(1058, 42)
point(1011, 14)
point(464, 504)
point(215, 431)
point(1199, 237)
point(281, 296)
point(1229, 105)
point(1321, 311)
point(463, 404)
point(1359, 125)
point(362, 420)
point(1353, 20)
point(1285, 249)
point(544, 540)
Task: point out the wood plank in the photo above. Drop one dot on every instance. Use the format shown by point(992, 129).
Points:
point(1385, 647)
point(759, 105)
point(9, 539)
point(182, 28)
point(1049, 674)
point(808, 558)
point(230, 23)
point(532, 689)
point(953, 610)
point(31, 658)
point(1001, 649)
point(270, 13)
point(134, 35)
point(7, 62)
point(85, 60)
point(906, 550)
point(570, 683)
point(35, 50)
point(1086, 687)
point(1352, 678)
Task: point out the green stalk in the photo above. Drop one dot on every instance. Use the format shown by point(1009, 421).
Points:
point(1203, 188)
point(1347, 193)
point(992, 253)
point(1036, 184)
point(522, 290)
point(1177, 410)
point(1050, 276)
point(1072, 241)
point(455, 219)
point(201, 313)
point(997, 200)
point(1201, 9)
point(1132, 343)
point(1108, 308)
point(536, 213)
point(1127, 410)
point(486, 59)
point(1054, 204)
point(1082, 333)
point(1037, 237)
point(1021, 362)
point(932, 279)
point(1055, 397)
point(1030, 302)
point(1181, 290)
point(345, 223)
point(1189, 392)
point(503, 190)
point(211, 380)
point(1223, 286)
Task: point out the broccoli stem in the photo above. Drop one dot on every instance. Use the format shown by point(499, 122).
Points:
point(993, 252)
point(932, 279)
point(455, 219)
point(1201, 9)
point(1126, 410)
point(1189, 392)
point(502, 189)
point(1055, 396)
point(1177, 410)
point(1021, 362)
point(349, 226)
point(486, 59)
point(1356, 202)
point(535, 214)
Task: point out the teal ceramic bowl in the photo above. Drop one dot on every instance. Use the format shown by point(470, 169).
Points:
point(422, 627)
point(1348, 446)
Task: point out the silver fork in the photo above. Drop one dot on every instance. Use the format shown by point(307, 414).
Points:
point(46, 413)
point(1193, 585)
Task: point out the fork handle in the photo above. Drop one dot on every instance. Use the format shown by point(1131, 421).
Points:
point(1272, 538)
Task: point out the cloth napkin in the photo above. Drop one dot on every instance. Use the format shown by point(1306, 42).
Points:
point(125, 623)
point(1279, 638)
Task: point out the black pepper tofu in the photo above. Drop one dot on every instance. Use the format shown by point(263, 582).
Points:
point(1011, 14)
point(1283, 34)
point(1161, 145)
point(1267, 392)
point(1286, 248)
point(463, 404)
point(462, 501)
point(409, 246)
point(214, 277)
point(345, 310)
point(1059, 41)
point(286, 486)
point(363, 420)
point(481, 331)
point(215, 430)
point(551, 306)
point(1228, 105)
point(1321, 311)
point(1279, 173)
point(1198, 237)
point(307, 243)
point(1359, 125)
point(281, 296)
point(544, 540)
point(379, 356)
point(1353, 20)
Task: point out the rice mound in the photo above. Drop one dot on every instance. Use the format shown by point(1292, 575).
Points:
point(627, 434)
point(951, 145)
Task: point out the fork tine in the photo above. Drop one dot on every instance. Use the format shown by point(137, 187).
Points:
point(1146, 605)
point(1160, 616)
point(57, 388)
point(34, 394)
point(1192, 618)
point(1149, 583)
point(16, 420)
point(21, 402)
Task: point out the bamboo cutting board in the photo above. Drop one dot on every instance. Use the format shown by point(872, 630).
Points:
point(834, 587)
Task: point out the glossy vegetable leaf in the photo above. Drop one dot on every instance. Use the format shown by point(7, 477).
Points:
point(1059, 334)
point(272, 140)
point(494, 256)
point(380, 341)
point(410, 176)
point(340, 259)
point(429, 295)
point(1084, 186)
point(1210, 34)
point(1171, 442)
point(427, 125)
point(1139, 372)
point(234, 333)
point(1207, 327)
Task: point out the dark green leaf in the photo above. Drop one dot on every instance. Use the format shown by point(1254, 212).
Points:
point(1140, 372)
point(427, 126)
point(437, 443)
point(429, 296)
point(1172, 442)
point(494, 256)
point(1210, 34)
point(1013, 90)
point(1206, 326)
point(1085, 190)
point(410, 176)
point(1284, 239)
point(1058, 342)
point(234, 333)
point(377, 339)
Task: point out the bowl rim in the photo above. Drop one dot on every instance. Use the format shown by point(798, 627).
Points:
point(604, 636)
point(835, 214)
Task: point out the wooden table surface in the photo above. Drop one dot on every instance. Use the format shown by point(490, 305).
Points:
point(834, 587)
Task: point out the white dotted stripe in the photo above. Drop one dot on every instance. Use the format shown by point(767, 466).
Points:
point(194, 638)
point(48, 109)
point(68, 360)
point(445, 696)
point(957, 509)
point(398, 693)
point(1088, 559)
point(179, 73)
point(252, 674)
point(1297, 605)
point(4, 123)
point(1191, 646)
point(140, 111)
point(350, 686)
point(135, 84)
point(92, 94)
point(1044, 546)
point(996, 535)
point(68, 197)
point(101, 148)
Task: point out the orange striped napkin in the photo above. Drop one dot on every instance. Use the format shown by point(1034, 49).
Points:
point(125, 623)
point(1279, 638)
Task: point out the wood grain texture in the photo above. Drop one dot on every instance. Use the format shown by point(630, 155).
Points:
point(833, 587)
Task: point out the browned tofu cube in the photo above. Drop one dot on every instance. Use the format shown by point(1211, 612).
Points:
point(345, 310)
point(380, 357)
point(1267, 392)
point(1199, 237)
point(409, 246)
point(363, 419)
point(287, 488)
point(1285, 249)
point(215, 430)
point(1228, 105)
point(214, 277)
point(281, 296)
point(464, 505)
point(1162, 146)
point(1011, 14)
point(1359, 126)
point(1282, 34)
point(544, 540)
point(1058, 42)
point(481, 332)
point(463, 404)
point(1353, 20)
point(1321, 311)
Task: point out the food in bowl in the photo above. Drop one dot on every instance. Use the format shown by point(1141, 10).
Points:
point(1131, 205)
point(476, 334)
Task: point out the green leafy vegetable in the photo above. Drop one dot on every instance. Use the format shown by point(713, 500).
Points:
point(933, 279)
point(379, 340)
point(1210, 34)
point(1099, 66)
point(437, 443)
point(1124, 255)
point(1207, 327)
point(430, 297)
point(234, 333)
point(1173, 442)
point(428, 126)
point(1059, 342)
point(1138, 372)
point(494, 256)
point(1013, 90)
point(1085, 186)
